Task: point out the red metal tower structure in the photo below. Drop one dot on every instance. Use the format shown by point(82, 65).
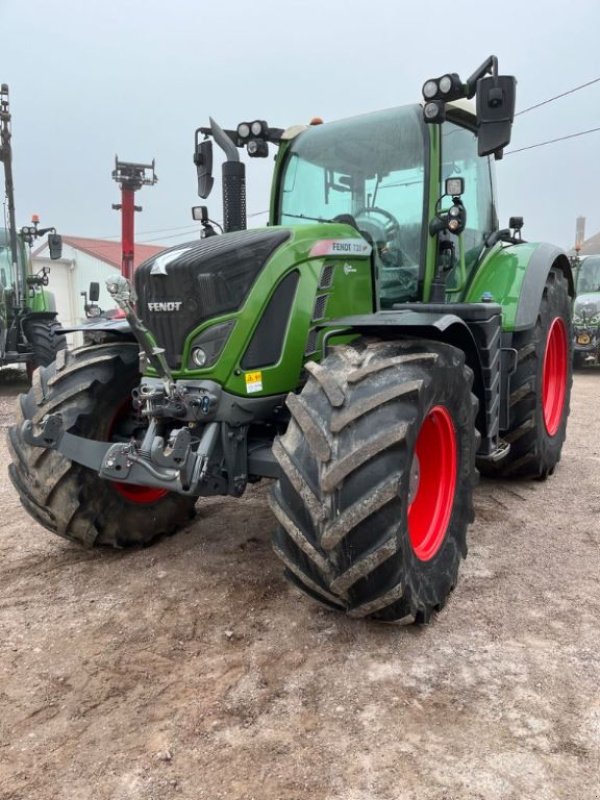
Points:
point(130, 177)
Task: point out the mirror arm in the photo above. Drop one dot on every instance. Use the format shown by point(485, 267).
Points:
point(489, 65)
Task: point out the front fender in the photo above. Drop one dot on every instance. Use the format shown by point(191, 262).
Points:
point(42, 301)
point(515, 277)
point(118, 325)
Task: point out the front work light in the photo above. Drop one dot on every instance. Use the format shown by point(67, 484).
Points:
point(430, 89)
point(258, 148)
point(455, 186)
point(434, 111)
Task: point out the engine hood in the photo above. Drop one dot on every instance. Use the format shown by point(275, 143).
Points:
point(181, 287)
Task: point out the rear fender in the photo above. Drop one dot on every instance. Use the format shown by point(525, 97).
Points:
point(515, 277)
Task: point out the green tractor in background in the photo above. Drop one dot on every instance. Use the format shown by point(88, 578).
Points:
point(586, 312)
point(30, 334)
point(371, 346)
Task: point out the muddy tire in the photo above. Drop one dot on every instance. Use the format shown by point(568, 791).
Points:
point(540, 389)
point(364, 525)
point(90, 387)
point(45, 340)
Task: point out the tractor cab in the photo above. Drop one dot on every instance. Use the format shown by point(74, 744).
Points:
point(388, 174)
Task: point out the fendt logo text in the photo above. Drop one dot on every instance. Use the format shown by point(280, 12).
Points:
point(165, 305)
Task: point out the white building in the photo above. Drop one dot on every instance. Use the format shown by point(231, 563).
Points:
point(83, 261)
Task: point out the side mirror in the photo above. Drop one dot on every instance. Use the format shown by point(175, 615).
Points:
point(94, 292)
point(3, 280)
point(495, 103)
point(203, 159)
point(55, 245)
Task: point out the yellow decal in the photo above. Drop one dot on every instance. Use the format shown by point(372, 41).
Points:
point(253, 382)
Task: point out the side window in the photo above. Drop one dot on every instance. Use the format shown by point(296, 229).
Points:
point(460, 159)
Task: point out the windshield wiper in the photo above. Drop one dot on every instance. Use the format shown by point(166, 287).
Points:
point(305, 216)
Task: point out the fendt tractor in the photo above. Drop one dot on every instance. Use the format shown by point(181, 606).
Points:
point(29, 330)
point(586, 313)
point(370, 348)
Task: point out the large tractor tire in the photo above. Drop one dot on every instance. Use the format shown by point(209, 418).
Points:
point(45, 340)
point(378, 469)
point(540, 389)
point(91, 389)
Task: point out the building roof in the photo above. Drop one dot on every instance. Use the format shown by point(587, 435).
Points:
point(107, 251)
point(591, 246)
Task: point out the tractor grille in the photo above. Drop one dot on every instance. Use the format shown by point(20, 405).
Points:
point(190, 283)
point(326, 276)
point(319, 307)
point(311, 343)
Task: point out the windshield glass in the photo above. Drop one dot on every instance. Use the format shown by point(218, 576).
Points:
point(371, 167)
point(588, 275)
point(6, 269)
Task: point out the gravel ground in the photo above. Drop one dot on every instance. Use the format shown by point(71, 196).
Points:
point(192, 670)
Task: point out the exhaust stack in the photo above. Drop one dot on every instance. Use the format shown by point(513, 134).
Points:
point(234, 182)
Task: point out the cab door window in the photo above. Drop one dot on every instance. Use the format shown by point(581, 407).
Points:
point(460, 159)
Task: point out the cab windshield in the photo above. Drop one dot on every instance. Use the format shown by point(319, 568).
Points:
point(370, 167)
point(588, 275)
point(6, 268)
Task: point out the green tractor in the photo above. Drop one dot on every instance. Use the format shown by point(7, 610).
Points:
point(29, 331)
point(370, 348)
point(586, 313)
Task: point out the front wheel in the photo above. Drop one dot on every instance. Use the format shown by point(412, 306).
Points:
point(378, 468)
point(91, 388)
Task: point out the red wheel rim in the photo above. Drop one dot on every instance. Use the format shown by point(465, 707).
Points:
point(554, 376)
point(141, 495)
point(430, 507)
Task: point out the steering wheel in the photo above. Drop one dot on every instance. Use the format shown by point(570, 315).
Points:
point(386, 235)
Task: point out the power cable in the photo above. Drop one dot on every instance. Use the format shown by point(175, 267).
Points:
point(557, 97)
point(177, 235)
point(551, 141)
point(182, 228)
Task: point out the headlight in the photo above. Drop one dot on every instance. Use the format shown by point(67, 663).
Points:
point(208, 345)
point(199, 356)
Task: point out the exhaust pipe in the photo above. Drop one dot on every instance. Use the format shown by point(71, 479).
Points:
point(234, 182)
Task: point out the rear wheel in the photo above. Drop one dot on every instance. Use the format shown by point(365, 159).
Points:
point(378, 468)
point(45, 340)
point(91, 389)
point(540, 389)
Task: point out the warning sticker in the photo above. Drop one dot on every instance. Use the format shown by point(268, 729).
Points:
point(253, 382)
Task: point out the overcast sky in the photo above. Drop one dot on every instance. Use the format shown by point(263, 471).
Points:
point(90, 79)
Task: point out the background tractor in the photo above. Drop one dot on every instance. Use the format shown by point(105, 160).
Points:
point(371, 345)
point(586, 312)
point(29, 330)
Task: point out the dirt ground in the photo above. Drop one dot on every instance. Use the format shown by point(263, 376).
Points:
point(192, 670)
